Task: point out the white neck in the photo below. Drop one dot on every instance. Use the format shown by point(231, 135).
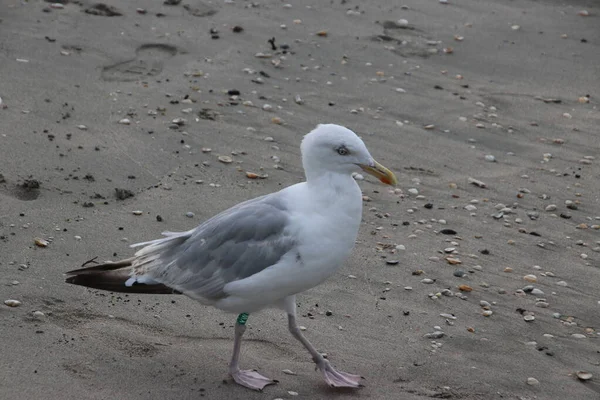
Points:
point(332, 181)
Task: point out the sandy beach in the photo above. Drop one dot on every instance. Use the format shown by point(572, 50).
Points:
point(476, 278)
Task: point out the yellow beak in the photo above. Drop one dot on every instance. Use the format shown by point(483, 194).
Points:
point(380, 172)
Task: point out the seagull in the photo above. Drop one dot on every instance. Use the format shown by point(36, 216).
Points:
point(263, 252)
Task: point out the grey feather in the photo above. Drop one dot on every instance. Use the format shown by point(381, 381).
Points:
point(233, 245)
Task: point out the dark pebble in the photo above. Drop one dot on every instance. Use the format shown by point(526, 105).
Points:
point(428, 206)
point(123, 194)
point(459, 273)
point(233, 92)
point(103, 10)
point(448, 232)
point(159, 218)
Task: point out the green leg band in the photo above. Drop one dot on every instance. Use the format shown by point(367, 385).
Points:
point(242, 318)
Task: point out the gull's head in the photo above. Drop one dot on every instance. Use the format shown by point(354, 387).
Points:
point(333, 148)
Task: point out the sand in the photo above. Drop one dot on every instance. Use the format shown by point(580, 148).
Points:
point(67, 78)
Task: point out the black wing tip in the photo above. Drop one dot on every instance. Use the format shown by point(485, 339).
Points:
point(112, 283)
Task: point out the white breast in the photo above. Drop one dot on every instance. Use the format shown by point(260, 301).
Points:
point(326, 224)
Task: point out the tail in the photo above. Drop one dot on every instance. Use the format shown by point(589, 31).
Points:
point(116, 277)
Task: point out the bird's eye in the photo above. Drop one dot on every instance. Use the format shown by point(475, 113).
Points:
point(343, 151)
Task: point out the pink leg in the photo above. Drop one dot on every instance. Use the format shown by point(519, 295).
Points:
point(333, 377)
point(247, 378)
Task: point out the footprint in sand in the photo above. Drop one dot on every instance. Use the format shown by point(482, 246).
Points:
point(149, 61)
point(409, 40)
point(26, 191)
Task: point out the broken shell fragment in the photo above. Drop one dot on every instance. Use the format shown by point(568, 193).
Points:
point(584, 99)
point(453, 261)
point(584, 375)
point(12, 303)
point(41, 242)
point(252, 175)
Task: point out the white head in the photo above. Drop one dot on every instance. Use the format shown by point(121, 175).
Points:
point(332, 148)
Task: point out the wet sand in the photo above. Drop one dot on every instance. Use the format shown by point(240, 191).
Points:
point(490, 90)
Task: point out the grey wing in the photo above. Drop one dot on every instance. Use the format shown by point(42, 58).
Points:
point(233, 245)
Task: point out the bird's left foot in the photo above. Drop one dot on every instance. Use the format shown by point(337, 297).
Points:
point(251, 379)
point(335, 378)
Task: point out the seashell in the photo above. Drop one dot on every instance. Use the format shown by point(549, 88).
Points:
point(584, 375)
point(41, 242)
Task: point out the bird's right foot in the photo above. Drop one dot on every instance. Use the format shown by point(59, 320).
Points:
point(251, 379)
